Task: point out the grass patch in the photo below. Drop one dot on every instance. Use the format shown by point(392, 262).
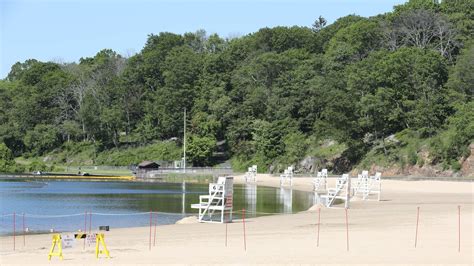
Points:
point(326, 149)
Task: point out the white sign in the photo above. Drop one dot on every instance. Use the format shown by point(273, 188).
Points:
point(68, 240)
point(91, 239)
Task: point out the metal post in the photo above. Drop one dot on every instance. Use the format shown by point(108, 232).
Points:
point(183, 200)
point(184, 142)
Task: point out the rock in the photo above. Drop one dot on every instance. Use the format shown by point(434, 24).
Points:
point(308, 164)
point(467, 167)
point(271, 168)
point(328, 143)
point(392, 139)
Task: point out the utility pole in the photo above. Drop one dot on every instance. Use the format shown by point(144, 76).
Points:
point(184, 142)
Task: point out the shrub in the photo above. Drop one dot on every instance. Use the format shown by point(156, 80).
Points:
point(412, 157)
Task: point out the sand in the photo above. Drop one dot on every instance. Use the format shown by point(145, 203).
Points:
point(380, 232)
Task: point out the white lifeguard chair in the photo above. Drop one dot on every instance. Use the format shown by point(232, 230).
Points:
point(320, 181)
point(342, 191)
point(251, 174)
point(217, 206)
point(362, 182)
point(376, 185)
point(368, 185)
point(287, 176)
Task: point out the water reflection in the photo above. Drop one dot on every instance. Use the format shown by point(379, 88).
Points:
point(183, 195)
point(251, 198)
point(316, 198)
point(285, 198)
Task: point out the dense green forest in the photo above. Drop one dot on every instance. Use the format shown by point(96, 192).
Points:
point(383, 89)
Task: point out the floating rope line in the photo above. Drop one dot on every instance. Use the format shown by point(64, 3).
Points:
point(29, 215)
point(44, 216)
point(262, 213)
point(120, 214)
point(39, 216)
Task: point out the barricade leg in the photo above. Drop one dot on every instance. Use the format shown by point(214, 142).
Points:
point(56, 242)
point(100, 241)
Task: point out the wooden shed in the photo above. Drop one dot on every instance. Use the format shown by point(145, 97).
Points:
point(148, 165)
point(144, 167)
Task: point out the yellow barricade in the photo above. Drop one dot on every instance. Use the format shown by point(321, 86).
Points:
point(56, 242)
point(100, 240)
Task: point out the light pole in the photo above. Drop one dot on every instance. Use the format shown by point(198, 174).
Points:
point(184, 142)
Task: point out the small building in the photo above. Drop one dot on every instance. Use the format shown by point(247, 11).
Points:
point(144, 167)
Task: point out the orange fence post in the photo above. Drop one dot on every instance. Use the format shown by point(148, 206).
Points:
point(226, 234)
point(243, 219)
point(459, 228)
point(347, 231)
point(149, 241)
point(417, 220)
point(14, 229)
point(24, 241)
point(85, 228)
point(154, 236)
point(319, 223)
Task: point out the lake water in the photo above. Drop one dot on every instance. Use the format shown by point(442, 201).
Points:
point(61, 204)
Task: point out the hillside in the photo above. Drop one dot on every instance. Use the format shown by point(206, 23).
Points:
point(393, 92)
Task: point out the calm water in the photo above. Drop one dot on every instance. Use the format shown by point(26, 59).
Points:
point(117, 203)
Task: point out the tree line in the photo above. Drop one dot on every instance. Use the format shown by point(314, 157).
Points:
point(261, 98)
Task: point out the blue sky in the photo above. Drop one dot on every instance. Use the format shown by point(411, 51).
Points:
point(67, 30)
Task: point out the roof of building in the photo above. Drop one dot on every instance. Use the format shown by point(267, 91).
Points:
point(148, 164)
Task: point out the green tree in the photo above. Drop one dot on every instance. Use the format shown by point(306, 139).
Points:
point(355, 42)
point(200, 149)
point(461, 14)
point(461, 77)
point(295, 147)
point(413, 82)
point(7, 164)
point(452, 143)
point(41, 139)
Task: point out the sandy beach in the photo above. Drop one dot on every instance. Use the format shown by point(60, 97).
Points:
point(380, 232)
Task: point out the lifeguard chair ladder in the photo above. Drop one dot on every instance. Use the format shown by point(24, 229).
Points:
point(342, 191)
point(320, 181)
point(287, 176)
point(362, 184)
point(217, 206)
